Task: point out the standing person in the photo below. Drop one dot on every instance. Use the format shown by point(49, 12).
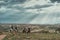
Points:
point(11, 28)
point(24, 30)
point(16, 29)
point(28, 30)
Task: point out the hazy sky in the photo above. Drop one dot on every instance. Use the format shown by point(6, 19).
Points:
point(30, 11)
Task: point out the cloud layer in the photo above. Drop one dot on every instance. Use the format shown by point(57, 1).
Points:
point(55, 1)
point(30, 11)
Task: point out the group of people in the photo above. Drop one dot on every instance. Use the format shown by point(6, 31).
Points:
point(25, 30)
point(13, 29)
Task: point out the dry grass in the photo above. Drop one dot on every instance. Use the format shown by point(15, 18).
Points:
point(32, 36)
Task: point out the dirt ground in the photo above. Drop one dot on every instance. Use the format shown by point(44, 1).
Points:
point(2, 36)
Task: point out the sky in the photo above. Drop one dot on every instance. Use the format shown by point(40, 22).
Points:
point(30, 11)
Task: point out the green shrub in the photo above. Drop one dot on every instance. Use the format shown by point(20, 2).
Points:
point(1, 33)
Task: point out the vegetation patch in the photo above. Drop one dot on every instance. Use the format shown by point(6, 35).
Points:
point(32, 36)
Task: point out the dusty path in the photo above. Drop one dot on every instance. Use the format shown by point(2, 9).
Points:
point(2, 36)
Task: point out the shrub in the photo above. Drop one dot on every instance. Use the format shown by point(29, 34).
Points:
point(1, 33)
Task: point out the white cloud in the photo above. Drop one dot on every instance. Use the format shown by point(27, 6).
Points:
point(4, 9)
point(52, 9)
point(32, 10)
point(34, 2)
point(2, 2)
point(31, 3)
point(45, 15)
point(48, 11)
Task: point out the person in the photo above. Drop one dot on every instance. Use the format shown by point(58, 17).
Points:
point(11, 28)
point(28, 30)
point(16, 29)
point(24, 30)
